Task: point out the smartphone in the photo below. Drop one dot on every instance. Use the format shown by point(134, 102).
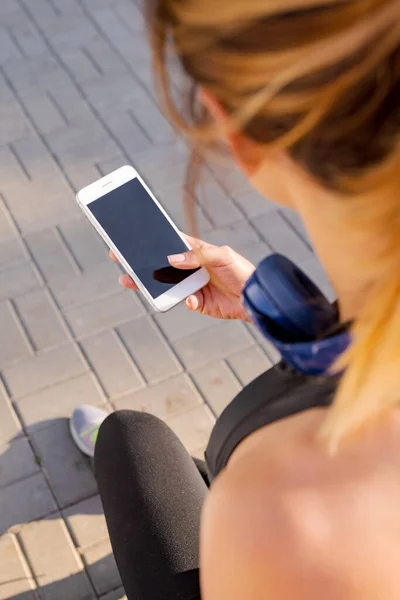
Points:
point(132, 222)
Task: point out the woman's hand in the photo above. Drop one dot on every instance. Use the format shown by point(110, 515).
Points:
point(221, 297)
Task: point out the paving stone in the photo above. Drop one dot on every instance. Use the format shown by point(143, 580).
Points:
point(15, 578)
point(217, 205)
point(118, 594)
point(42, 322)
point(73, 105)
point(11, 254)
point(8, 50)
point(42, 72)
point(108, 311)
point(83, 288)
point(180, 322)
point(43, 370)
point(115, 90)
point(297, 224)
point(16, 461)
point(229, 176)
point(253, 204)
point(14, 282)
point(107, 20)
point(80, 65)
point(149, 350)
point(135, 50)
point(129, 131)
point(70, 476)
point(43, 111)
point(9, 11)
point(102, 568)
point(268, 348)
point(67, 33)
point(55, 563)
point(153, 122)
point(38, 410)
point(162, 167)
point(238, 235)
point(129, 96)
point(173, 200)
point(104, 56)
point(28, 39)
point(249, 364)
point(38, 163)
point(212, 344)
point(86, 522)
point(80, 174)
point(25, 500)
point(10, 426)
point(41, 204)
point(112, 364)
point(51, 255)
point(87, 142)
point(14, 123)
point(11, 172)
point(6, 230)
point(44, 11)
point(84, 243)
point(256, 252)
point(108, 166)
point(166, 399)
point(217, 384)
point(193, 427)
point(13, 345)
point(281, 237)
point(72, 8)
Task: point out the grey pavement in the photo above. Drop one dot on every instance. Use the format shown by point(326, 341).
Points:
point(75, 103)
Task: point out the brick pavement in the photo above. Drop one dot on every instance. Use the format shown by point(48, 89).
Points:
point(75, 103)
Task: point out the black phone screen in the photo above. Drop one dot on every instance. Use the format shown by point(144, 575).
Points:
point(142, 234)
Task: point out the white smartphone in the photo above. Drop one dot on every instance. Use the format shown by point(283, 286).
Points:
point(136, 227)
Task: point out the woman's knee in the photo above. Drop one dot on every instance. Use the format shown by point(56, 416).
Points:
point(122, 423)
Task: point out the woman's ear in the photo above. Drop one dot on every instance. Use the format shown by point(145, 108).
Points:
point(245, 152)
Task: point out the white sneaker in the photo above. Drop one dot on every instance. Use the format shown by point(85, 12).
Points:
point(84, 425)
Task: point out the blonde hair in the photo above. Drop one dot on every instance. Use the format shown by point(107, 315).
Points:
point(319, 79)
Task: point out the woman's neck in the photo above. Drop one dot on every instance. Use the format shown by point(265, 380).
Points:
point(338, 250)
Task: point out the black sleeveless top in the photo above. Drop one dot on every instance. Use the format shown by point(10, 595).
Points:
point(274, 395)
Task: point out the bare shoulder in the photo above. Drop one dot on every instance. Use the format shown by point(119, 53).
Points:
point(246, 534)
point(293, 523)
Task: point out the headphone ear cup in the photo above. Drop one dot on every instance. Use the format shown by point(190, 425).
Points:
point(292, 299)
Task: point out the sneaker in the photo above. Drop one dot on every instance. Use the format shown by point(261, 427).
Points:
point(84, 425)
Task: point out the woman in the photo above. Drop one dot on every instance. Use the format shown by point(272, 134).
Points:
point(306, 95)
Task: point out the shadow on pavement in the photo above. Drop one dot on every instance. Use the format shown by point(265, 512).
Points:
point(101, 572)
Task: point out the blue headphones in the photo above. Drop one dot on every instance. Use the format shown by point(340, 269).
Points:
point(294, 315)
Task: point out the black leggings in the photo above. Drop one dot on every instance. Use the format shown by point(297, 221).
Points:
point(152, 493)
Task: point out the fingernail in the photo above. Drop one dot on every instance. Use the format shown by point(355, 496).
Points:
point(176, 258)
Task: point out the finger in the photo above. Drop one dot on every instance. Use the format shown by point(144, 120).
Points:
point(206, 255)
point(186, 260)
point(195, 242)
point(112, 256)
point(127, 282)
point(195, 301)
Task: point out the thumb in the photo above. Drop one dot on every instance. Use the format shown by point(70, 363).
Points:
point(186, 260)
point(203, 255)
